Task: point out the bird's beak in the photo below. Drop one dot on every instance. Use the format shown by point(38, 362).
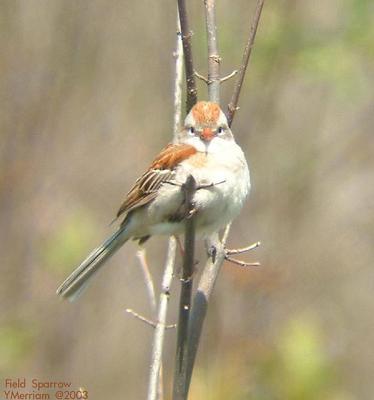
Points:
point(207, 135)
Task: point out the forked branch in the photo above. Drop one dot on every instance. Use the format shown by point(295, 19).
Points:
point(218, 251)
point(190, 323)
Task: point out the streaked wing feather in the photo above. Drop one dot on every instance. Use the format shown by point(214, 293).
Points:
point(147, 178)
point(161, 171)
point(157, 179)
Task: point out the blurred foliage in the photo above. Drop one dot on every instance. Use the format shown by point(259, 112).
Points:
point(340, 60)
point(299, 367)
point(320, 62)
point(295, 367)
point(72, 237)
point(16, 344)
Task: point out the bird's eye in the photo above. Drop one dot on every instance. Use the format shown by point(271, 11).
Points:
point(191, 130)
point(220, 130)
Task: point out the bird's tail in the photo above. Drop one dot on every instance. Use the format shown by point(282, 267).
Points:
point(77, 281)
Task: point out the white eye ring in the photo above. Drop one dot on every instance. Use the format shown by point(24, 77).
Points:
point(191, 131)
point(220, 130)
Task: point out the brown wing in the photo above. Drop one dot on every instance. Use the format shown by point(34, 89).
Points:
point(161, 170)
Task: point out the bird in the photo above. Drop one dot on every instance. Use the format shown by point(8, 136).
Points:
point(204, 148)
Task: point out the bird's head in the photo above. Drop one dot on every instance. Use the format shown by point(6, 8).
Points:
point(205, 127)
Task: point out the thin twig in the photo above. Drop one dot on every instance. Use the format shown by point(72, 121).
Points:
point(202, 78)
point(229, 76)
point(242, 263)
point(233, 105)
point(141, 254)
point(253, 246)
point(141, 317)
point(148, 321)
point(191, 97)
point(224, 79)
point(214, 60)
point(179, 387)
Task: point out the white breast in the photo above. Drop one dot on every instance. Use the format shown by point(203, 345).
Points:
point(226, 169)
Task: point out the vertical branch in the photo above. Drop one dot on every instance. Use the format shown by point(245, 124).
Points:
point(180, 378)
point(233, 105)
point(155, 378)
point(178, 54)
point(191, 97)
point(201, 299)
point(159, 334)
point(214, 59)
point(180, 388)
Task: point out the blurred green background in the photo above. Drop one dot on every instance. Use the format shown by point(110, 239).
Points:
point(86, 92)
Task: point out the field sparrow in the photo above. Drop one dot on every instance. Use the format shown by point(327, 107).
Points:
point(205, 149)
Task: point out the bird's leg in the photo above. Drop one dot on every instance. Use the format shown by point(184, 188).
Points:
point(210, 246)
point(212, 252)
